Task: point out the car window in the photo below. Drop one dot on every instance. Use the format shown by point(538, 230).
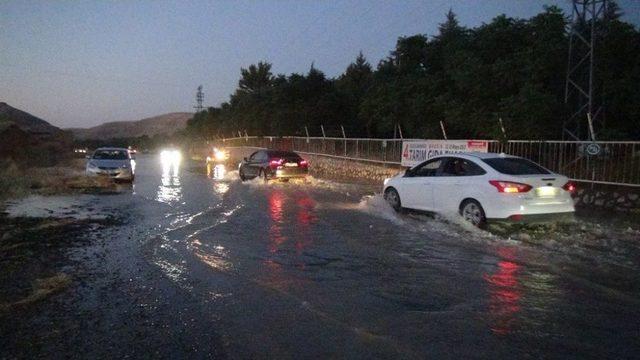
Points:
point(111, 155)
point(284, 155)
point(516, 166)
point(428, 168)
point(460, 167)
point(254, 156)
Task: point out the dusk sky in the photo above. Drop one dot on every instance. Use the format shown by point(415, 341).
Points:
point(82, 63)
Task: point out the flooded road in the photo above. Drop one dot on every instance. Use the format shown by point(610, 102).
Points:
point(213, 267)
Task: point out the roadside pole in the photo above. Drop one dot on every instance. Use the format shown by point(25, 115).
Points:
point(344, 136)
point(444, 133)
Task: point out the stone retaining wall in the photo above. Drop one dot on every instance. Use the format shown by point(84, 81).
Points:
point(341, 169)
point(618, 198)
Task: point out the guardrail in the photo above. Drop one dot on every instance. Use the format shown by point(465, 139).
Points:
point(614, 163)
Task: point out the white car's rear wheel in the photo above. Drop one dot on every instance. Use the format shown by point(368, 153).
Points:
point(393, 198)
point(472, 211)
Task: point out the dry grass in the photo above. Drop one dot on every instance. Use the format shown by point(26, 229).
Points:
point(42, 288)
point(63, 179)
point(12, 181)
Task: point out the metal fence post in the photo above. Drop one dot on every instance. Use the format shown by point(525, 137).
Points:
point(345, 140)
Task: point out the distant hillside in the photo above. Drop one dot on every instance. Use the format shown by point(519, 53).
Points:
point(30, 140)
point(25, 121)
point(162, 124)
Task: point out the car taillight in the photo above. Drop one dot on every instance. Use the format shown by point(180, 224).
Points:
point(510, 187)
point(275, 163)
point(570, 186)
point(303, 163)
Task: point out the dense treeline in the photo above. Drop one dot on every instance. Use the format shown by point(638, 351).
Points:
point(512, 69)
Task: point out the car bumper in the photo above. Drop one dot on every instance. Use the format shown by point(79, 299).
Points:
point(510, 206)
point(118, 174)
point(539, 218)
point(287, 173)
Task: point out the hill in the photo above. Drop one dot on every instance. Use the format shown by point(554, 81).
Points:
point(161, 124)
point(26, 122)
point(27, 139)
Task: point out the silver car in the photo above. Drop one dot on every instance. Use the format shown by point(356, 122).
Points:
point(116, 163)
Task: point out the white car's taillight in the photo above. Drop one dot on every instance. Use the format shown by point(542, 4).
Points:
point(570, 187)
point(510, 186)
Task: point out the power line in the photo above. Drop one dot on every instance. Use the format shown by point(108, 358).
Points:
point(199, 99)
point(586, 30)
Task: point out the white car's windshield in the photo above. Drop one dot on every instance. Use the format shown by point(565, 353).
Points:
point(515, 166)
point(110, 155)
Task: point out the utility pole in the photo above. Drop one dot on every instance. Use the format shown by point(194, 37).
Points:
point(581, 93)
point(199, 100)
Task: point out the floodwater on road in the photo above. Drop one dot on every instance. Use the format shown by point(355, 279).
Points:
point(319, 269)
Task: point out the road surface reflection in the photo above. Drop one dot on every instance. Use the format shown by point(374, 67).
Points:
point(504, 294)
point(170, 190)
point(216, 172)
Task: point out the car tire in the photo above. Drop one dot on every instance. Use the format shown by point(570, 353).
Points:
point(472, 211)
point(393, 198)
point(242, 176)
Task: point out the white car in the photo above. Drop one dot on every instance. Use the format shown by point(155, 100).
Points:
point(116, 163)
point(481, 186)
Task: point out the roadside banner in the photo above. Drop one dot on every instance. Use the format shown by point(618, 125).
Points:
point(416, 151)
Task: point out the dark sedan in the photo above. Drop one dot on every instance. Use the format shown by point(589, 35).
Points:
point(273, 164)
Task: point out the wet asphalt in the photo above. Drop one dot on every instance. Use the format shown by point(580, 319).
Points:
point(206, 266)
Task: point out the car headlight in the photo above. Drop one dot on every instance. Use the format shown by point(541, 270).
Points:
point(220, 155)
point(92, 165)
point(170, 157)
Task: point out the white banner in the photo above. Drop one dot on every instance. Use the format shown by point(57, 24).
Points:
point(415, 152)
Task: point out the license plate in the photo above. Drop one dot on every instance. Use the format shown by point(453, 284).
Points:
point(546, 191)
point(291, 164)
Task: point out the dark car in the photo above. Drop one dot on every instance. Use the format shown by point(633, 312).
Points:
point(273, 164)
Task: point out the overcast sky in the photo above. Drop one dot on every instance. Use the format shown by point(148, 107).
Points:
point(82, 63)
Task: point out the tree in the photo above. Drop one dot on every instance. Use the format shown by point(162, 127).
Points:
point(255, 78)
point(506, 68)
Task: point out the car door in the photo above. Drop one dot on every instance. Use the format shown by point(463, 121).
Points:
point(416, 191)
point(453, 182)
point(262, 162)
point(250, 169)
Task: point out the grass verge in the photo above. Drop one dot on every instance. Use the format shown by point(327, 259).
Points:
point(67, 178)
